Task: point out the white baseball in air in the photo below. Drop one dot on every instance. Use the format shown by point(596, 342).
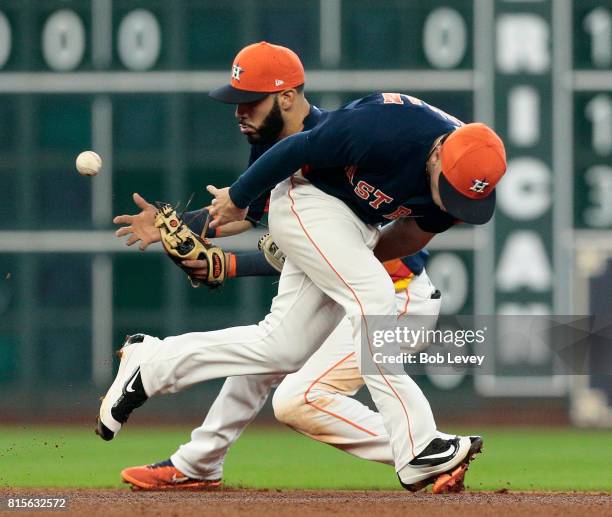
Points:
point(88, 163)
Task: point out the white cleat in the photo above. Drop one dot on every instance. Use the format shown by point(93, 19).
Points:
point(441, 456)
point(126, 392)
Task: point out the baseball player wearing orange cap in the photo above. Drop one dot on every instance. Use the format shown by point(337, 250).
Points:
point(315, 400)
point(390, 170)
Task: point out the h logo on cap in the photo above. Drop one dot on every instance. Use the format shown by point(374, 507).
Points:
point(236, 71)
point(479, 186)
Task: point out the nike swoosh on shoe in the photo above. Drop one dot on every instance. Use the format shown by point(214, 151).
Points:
point(129, 387)
point(447, 453)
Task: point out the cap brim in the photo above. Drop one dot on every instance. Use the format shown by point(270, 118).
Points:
point(231, 95)
point(472, 211)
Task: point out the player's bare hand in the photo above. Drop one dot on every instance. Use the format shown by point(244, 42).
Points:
point(222, 209)
point(141, 226)
point(197, 269)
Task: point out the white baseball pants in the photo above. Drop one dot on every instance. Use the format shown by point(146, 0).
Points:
point(330, 271)
point(314, 401)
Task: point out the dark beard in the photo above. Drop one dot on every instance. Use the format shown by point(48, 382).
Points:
point(270, 128)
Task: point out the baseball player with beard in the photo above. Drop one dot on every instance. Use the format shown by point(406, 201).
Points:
point(318, 285)
point(314, 400)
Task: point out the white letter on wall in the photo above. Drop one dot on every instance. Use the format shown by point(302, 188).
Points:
point(523, 43)
point(524, 263)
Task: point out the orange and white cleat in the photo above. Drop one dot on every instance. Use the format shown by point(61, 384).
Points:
point(164, 476)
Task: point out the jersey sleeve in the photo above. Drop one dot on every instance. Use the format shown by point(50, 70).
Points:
point(253, 263)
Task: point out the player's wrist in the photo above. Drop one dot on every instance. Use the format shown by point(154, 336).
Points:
point(230, 264)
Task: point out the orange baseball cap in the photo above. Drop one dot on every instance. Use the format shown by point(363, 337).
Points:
point(259, 70)
point(473, 161)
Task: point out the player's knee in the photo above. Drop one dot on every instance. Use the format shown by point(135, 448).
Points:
point(286, 407)
point(288, 401)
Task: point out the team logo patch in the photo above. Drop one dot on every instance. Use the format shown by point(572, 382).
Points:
point(236, 71)
point(278, 82)
point(479, 186)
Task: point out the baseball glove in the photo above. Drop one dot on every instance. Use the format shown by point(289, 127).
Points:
point(181, 244)
point(273, 254)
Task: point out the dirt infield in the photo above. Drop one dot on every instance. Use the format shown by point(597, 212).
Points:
point(229, 502)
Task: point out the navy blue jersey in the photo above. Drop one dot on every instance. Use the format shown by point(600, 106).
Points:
point(260, 205)
point(371, 154)
point(252, 264)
